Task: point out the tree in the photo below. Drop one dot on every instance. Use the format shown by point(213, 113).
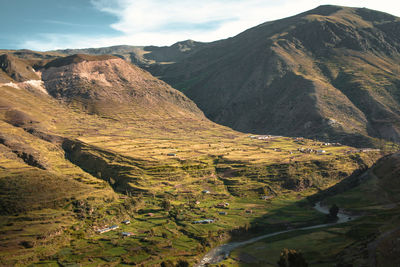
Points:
point(291, 258)
point(166, 205)
point(333, 211)
point(183, 263)
point(173, 213)
point(167, 263)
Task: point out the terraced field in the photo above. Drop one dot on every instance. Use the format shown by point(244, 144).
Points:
point(66, 171)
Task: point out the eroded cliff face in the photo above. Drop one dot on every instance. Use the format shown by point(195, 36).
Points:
point(104, 85)
point(13, 69)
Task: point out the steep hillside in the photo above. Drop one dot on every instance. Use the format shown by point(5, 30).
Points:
point(330, 73)
point(15, 69)
point(108, 85)
point(370, 200)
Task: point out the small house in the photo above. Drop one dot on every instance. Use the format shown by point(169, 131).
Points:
point(126, 222)
point(206, 221)
point(206, 192)
point(127, 234)
point(249, 211)
point(171, 154)
point(266, 197)
point(101, 231)
point(222, 213)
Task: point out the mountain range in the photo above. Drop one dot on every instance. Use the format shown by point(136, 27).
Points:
point(142, 155)
point(330, 73)
point(89, 141)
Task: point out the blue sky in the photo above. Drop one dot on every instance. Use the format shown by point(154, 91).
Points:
point(27, 20)
point(56, 24)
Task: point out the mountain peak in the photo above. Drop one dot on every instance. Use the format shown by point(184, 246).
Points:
point(363, 13)
point(324, 10)
point(325, 58)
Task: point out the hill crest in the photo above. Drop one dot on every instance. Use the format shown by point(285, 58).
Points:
point(104, 84)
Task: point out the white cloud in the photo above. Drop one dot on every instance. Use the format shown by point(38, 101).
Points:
point(164, 22)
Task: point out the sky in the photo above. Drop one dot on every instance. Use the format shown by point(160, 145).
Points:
point(44, 25)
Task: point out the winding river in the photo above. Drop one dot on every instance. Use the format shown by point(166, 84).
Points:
point(220, 253)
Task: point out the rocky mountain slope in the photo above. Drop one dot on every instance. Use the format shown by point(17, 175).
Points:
point(330, 73)
point(109, 85)
point(14, 69)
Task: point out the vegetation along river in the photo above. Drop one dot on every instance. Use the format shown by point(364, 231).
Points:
point(220, 253)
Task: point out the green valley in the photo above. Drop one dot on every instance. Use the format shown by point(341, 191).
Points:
point(104, 164)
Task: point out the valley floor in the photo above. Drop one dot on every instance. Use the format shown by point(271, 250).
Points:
point(65, 173)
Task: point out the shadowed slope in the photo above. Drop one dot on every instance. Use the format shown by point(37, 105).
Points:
point(331, 72)
point(15, 69)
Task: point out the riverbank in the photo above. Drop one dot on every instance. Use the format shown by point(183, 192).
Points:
point(222, 252)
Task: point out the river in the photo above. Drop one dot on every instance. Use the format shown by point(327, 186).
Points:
point(222, 252)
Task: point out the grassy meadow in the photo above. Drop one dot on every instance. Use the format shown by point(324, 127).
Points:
point(66, 173)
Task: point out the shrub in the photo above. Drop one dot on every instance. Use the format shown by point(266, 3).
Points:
point(182, 263)
point(27, 244)
point(291, 258)
point(333, 211)
point(166, 205)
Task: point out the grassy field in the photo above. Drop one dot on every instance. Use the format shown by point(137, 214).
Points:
point(65, 173)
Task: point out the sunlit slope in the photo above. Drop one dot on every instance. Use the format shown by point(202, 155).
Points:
point(110, 86)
